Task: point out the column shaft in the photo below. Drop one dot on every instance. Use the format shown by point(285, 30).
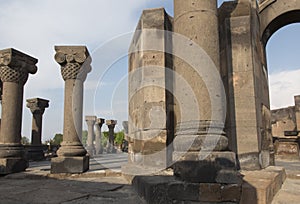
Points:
point(72, 112)
point(10, 132)
point(36, 132)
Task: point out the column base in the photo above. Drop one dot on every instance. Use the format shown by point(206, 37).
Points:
point(206, 167)
point(91, 150)
point(12, 165)
point(71, 165)
point(35, 153)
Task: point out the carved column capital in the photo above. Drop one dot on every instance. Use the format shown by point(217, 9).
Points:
point(90, 120)
point(111, 123)
point(100, 121)
point(15, 66)
point(74, 61)
point(37, 105)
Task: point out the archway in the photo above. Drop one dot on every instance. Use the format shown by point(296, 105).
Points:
point(276, 15)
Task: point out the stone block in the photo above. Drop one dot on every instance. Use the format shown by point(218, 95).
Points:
point(261, 186)
point(249, 161)
point(287, 150)
point(200, 142)
point(12, 165)
point(69, 164)
point(206, 167)
point(153, 188)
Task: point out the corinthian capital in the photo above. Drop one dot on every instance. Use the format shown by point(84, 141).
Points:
point(74, 61)
point(15, 66)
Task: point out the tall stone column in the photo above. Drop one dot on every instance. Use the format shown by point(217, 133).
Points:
point(14, 69)
point(75, 65)
point(200, 145)
point(90, 121)
point(111, 136)
point(297, 110)
point(37, 107)
point(98, 126)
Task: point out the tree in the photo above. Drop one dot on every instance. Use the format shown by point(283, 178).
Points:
point(84, 137)
point(58, 138)
point(119, 137)
point(25, 141)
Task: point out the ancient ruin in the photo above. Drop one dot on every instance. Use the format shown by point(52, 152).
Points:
point(209, 82)
point(90, 121)
point(98, 139)
point(111, 136)
point(285, 131)
point(200, 128)
point(15, 68)
point(37, 107)
point(75, 65)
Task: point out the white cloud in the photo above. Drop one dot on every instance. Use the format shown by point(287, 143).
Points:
point(283, 87)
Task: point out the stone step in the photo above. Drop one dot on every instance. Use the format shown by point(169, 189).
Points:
point(262, 185)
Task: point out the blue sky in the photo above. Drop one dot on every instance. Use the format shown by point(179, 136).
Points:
point(105, 27)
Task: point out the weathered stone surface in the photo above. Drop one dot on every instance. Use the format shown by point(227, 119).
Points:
point(207, 167)
point(197, 143)
point(12, 165)
point(288, 149)
point(262, 185)
point(15, 68)
point(150, 124)
point(204, 192)
point(165, 189)
point(153, 188)
point(69, 164)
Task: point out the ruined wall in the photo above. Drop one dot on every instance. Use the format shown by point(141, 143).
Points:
point(286, 119)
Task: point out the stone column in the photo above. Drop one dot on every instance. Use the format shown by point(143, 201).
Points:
point(90, 121)
point(37, 107)
point(75, 65)
point(111, 136)
point(14, 69)
point(200, 145)
point(297, 111)
point(98, 125)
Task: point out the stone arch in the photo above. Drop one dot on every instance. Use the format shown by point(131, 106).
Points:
point(275, 14)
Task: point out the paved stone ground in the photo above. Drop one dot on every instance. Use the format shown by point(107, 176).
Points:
point(290, 191)
point(102, 185)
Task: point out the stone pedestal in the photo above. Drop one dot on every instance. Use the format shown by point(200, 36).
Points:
point(75, 64)
point(37, 107)
point(111, 136)
point(90, 121)
point(14, 69)
point(98, 140)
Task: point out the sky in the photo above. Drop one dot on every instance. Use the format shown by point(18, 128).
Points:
point(105, 27)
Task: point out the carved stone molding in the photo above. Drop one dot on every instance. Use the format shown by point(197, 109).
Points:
point(37, 105)
point(15, 66)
